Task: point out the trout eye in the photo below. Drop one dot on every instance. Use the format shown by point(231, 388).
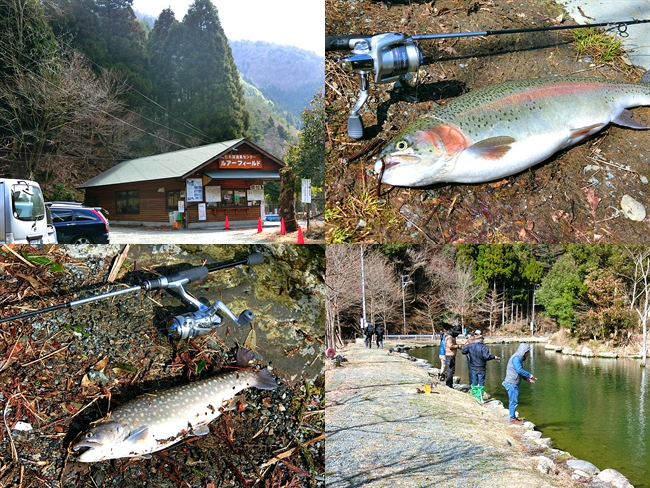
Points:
point(401, 145)
point(89, 435)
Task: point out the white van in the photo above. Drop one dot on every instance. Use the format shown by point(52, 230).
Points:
point(23, 216)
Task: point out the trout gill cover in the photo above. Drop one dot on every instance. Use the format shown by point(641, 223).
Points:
point(156, 421)
point(500, 130)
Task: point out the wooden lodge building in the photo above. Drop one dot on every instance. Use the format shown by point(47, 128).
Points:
point(210, 182)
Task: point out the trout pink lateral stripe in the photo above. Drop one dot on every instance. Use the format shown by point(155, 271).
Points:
point(500, 130)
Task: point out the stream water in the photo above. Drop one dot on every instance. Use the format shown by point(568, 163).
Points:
point(596, 409)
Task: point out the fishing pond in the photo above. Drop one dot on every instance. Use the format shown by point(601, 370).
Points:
point(596, 409)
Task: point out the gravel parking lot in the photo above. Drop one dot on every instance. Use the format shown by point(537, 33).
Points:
point(122, 234)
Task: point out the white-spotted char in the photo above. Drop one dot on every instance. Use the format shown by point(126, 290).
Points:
point(155, 421)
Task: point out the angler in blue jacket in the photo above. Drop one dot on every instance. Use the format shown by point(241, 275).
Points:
point(514, 372)
point(478, 358)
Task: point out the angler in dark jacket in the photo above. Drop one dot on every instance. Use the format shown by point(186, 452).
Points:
point(514, 372)
point(368, 332)
point(478, 358)
point(379, 336)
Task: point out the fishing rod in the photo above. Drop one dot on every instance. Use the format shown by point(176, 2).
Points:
point(391, 55)
point(185, 326)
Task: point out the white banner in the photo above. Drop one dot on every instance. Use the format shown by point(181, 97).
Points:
point(202, 211)
point(306, 191)
point(213, 194)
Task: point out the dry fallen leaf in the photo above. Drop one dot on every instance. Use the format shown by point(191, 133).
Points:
point(593, 200)
point(101, 364)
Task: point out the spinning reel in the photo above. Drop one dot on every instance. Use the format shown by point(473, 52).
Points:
point(187, 325)
point(392, 55)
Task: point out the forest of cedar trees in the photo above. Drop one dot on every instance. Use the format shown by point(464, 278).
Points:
point(83, 87)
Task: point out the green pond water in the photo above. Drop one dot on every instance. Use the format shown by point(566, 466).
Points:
point(596, 409)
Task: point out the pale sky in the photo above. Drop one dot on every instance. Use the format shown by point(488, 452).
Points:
point(298, 23)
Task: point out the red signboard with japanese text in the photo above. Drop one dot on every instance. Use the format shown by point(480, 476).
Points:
point(241, 161)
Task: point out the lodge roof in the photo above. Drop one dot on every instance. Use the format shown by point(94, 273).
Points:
point(175, 164)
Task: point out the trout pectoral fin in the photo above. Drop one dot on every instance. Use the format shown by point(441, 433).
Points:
point(137, 435)
point(492, 148)
point(625, 119)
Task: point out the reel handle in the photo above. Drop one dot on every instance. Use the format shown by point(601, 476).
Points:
point(344, 43)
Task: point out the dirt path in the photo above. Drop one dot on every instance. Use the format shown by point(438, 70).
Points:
point(380, 432)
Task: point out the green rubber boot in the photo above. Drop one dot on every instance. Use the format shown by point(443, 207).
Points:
point(474, 391)
point(479, 394)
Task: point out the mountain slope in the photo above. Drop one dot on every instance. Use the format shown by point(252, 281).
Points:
point(287, 75)
point(269, 128)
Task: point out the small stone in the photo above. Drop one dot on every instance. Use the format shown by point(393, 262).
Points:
point(614, 478)
point(546, 465)
point(579, 474)
point(532, 434)
point(632, 209)
point(585, 466)
point(545, 442)
point(644, 180)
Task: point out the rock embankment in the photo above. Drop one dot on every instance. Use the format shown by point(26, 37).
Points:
point(381, 432)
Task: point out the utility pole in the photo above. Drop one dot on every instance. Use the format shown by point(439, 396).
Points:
point(363, 290)
point(532, 322)
point(404, 284)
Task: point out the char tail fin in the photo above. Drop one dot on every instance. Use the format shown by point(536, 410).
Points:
point(264, 380)
point(244, 357)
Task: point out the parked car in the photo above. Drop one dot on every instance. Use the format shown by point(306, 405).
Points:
point(23, 215)
point(77, 224)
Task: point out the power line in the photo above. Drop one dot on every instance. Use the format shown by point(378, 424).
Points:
point(97, 108)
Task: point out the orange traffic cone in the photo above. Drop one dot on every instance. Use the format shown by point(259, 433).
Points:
point(259, 225)
point(283, 230)
point(227, 226)
point(301, 239)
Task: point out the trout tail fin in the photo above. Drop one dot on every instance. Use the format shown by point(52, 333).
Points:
point(645, 78)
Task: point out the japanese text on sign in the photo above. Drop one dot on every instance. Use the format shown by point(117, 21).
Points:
point(194, 189)
point(241, 161)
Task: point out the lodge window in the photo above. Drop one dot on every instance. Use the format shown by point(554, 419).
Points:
point(172, 199)
point(127, 202)
point(233, 198)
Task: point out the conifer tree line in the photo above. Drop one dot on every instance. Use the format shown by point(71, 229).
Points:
point(84, 87)
point(599, 292)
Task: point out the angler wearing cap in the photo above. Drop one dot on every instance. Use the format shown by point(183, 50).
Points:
point(450, 354)
point(514, 372)
point(478, 358)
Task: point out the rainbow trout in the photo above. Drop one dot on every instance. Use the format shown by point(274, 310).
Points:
point(155, 421)
point(500, 130)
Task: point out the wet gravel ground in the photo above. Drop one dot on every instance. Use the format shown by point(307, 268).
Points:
point(62, 370)
point(380, 432)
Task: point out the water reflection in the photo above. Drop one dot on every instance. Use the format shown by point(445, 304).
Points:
point(595, 408)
